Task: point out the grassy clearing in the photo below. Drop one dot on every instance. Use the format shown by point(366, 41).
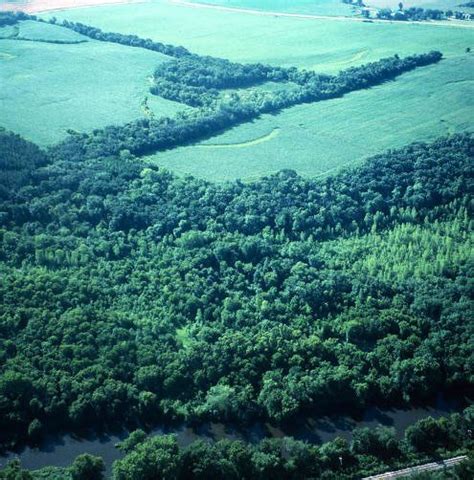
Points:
point(318, 138)
point(322, 45)
point(50, 88)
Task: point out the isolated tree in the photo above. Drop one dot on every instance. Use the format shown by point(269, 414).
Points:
point(426, 435)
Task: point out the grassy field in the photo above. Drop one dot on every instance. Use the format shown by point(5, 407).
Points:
point(318, 138)
point(310, 7)
point(39, 31)
point(322, 45)
point(75, 91)
point(49, 88)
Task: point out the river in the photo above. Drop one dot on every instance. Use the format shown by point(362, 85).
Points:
point(61, 451)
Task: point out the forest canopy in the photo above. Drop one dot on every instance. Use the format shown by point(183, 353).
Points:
point(129, 294)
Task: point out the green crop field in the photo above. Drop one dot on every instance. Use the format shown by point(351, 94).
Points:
point(49, 88)
point(53, 33)
point(323, 45)
point(307, 7)
point(315, 139)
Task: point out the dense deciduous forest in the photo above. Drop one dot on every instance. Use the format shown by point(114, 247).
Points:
point(197, 80)
point(131, 295)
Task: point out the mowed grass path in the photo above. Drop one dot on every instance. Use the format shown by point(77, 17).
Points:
point(50, 88)
point(321, 45)
point(317, 139)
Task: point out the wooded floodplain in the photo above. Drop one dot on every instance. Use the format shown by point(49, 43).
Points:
point(132, 296)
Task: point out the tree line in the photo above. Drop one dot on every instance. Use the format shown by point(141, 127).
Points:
point(370, 451)
point(419, 14)
point(147, 135)
point(12, 18)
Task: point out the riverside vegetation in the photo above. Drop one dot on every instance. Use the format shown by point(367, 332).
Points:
point(320, 295)
point(130, 295)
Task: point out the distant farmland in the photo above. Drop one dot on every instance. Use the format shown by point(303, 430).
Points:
point(49, 100)
point(310, 7)
point(321, 45)
point(49, 88)
point(441, 4)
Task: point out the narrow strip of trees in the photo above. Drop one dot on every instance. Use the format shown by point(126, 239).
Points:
point(149, 135)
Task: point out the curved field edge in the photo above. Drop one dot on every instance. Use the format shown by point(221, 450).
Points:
point(75, 92)
point(320, 138)
point(249, 143)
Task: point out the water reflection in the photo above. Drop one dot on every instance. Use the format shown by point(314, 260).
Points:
point(61, 451)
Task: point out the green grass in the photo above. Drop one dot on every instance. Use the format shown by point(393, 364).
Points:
point(316, 139)
point(307, 7)
point(39, 31)
point(49, 88)
point(323, 45)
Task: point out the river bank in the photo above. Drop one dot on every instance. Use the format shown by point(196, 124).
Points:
point(61, 451)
